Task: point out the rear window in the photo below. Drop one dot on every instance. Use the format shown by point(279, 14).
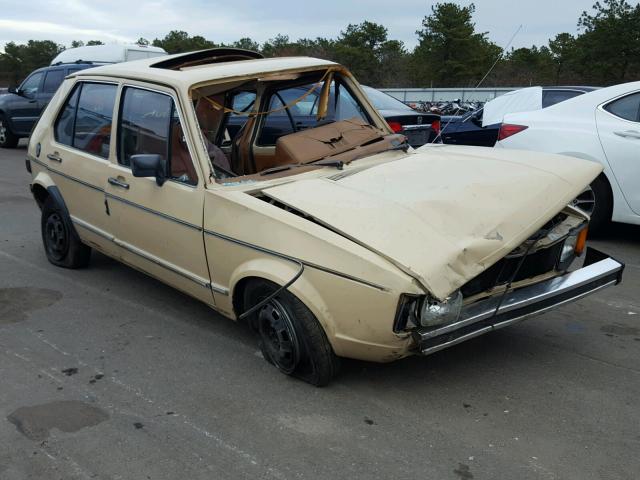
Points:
point(551, 97)
point(85, 120)
point(626, 107)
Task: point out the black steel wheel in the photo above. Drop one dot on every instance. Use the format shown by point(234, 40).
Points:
point(61, 242)
point(290, 336)
point(56, 237)
point(278, 337)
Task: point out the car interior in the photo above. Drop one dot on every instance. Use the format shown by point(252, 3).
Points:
point(268, 125)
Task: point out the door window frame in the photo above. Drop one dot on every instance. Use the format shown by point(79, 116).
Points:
point(42, 74)
point(602, 106)
point(170, 93)
point(63, 104)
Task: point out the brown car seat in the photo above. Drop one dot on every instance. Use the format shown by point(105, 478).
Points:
point(320, 142)
point(181, 164)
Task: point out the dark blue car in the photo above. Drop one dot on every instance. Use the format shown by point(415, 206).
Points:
point(468, 130)
point(21, 107)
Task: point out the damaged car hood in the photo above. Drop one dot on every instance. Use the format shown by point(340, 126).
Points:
point(443, 214)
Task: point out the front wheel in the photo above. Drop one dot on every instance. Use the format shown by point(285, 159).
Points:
point(61, 242)
point(290, 336)
point(7, 138)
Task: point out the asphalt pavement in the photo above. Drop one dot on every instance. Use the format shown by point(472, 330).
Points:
point(106, 373)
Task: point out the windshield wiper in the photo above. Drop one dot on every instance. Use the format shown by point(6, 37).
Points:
point(339, 164)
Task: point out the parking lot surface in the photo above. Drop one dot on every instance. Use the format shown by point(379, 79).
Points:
point(106, 373)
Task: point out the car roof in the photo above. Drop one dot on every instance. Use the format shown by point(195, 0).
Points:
point(570, 87)
point(148, 70)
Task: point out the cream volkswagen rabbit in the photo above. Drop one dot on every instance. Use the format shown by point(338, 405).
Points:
point(273, 191)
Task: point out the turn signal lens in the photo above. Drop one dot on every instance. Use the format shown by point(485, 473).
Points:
point(581, 242)
point(395, 126)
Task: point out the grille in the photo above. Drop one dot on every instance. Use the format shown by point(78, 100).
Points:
point(534, 264)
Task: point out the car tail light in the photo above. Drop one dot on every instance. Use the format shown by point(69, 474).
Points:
point(395, 126)
point(509, 129)
point(435, 126)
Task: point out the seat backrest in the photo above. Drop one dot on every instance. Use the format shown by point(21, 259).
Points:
point(209, 117)
point(181, 162)
point(320, 142)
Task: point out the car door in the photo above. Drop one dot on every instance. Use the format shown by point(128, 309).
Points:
point(158, 227)
point(24, 107)
point(76, 154)
point(618, 124)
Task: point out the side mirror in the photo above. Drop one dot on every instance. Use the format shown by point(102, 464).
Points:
point(149, 165)
point(14, 90)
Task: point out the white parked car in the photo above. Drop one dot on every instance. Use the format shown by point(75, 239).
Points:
point(602, 126)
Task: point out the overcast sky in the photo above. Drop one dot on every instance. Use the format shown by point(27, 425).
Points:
point(224, 21)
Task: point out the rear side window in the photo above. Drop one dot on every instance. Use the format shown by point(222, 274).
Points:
point(626, 107)
point(149, 124)
point(63, 129)
point(85, 120)
point(53, 80)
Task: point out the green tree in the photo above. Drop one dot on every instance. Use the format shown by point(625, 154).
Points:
point(450, 52)
point(563, 51)
point(18, 60)
point(609, 47)
point(178, 41)
point(366, 50)
point(142, 41)
point(247, 44)
point(94, 42)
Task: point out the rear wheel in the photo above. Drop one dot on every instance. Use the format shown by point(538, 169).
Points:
point(290, 336)
point(7, 138)
point(61, 242)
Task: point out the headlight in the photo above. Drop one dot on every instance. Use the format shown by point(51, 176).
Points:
point(573, 246)
point(569, 247)
point(435, 312)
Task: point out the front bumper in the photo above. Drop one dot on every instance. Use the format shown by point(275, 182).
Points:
point(599, 271)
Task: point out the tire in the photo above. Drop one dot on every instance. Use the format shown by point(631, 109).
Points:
point(7, 138)
point(603, 206)
point(61, 242)
point(290, 336)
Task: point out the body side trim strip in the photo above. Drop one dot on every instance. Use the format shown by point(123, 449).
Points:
point(154, 212)
point(169, 266)
point(294, 259)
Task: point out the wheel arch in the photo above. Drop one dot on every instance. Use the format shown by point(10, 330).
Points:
point(280, 272)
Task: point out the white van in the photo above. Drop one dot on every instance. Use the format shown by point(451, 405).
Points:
point(108, 53)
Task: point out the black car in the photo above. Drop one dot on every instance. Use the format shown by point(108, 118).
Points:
point(468, 130)
point(20, 107)
point(301, 113)
point(418, 127)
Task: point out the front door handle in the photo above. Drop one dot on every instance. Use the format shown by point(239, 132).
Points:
point(54, 157)
point(117, 183)
point(628, 133)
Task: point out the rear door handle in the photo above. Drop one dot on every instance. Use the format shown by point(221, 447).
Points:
point(628, 133)
point(54, 157)
point(118, 183)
